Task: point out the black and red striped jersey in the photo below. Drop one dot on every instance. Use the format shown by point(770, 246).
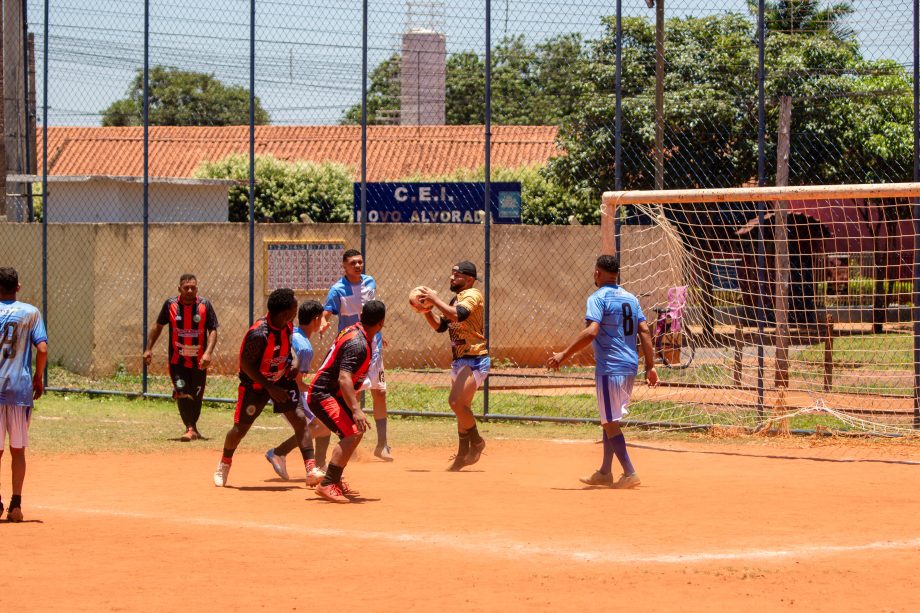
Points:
point(189, 325)
point(351, 351)
point(266, 349)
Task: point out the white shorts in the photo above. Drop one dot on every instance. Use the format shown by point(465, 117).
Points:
point(613, 392)
point(375, 378)
point(478, 365)
point(14, 421)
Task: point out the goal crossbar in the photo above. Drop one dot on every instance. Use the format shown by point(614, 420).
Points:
point(761, 194)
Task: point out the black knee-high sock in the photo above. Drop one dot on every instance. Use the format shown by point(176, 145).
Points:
point(186, 411)
point(194, 412)
point(474, 435)
point(287, 446)
point(464, 447)
point(333, 474)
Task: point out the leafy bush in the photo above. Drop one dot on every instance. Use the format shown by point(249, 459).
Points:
point(285, 191)
point(543, 201)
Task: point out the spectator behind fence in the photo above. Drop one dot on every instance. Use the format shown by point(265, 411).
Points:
point(192, 337)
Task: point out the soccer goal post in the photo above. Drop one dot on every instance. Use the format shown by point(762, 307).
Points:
point(791, 301)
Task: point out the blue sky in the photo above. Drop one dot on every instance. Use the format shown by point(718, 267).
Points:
point(309, 51)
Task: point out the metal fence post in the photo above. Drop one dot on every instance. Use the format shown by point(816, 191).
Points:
point(252, 160)
point(760, 309)
point(618, 122)
point(45, 176)
point(364, 133)
point(915, 311)
point(146, 186)
point(487, 265)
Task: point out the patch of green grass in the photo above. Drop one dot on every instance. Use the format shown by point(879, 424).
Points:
point(76, 423)
point(878, 351)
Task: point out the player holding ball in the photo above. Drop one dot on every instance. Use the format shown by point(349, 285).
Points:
point(463, 318)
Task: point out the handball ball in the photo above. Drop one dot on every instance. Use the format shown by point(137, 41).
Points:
point(416, 302)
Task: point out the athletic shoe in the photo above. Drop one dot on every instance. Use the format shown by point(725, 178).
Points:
point(15, 514)
point(457, 463)
point(475, 451)
point(598, 478)
point(331, 492)
point(279, 463)
point(314, 474)
point(198, 435)
point(348, 490)
point(220, 475)
point(188, 436)
point(383, 452)
point(626, 482)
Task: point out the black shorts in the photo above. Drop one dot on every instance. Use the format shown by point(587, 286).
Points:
point(188, 382)
point(250, 401)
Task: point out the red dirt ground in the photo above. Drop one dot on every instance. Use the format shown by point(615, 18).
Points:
point(773, 526)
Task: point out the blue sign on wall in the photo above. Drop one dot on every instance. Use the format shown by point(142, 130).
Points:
point(438, 202)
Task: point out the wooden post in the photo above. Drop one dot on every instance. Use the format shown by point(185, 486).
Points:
point(828, 352)
point(781, 241)
point(13, 99)
point(739, 355)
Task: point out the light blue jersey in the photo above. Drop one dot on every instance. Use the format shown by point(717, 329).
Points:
point(346, 299)
point(619, 314)
point(21, 327)
point(303, 349)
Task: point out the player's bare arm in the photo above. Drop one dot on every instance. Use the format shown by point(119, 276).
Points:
point(249, 364)
point(434, 322)
point(449, 312)
point(645, 339)
point(351, 400)
point(152, 337)
point(205, 360)
point(581, 340)
point(327, 315)
point(41, 360)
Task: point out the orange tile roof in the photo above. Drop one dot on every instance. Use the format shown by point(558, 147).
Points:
point(394, 152)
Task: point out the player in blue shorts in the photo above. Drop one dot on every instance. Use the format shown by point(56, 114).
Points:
point(612, 321)
point(21, 328)
point(345, 299)
point(463, 318)
point(308, 320)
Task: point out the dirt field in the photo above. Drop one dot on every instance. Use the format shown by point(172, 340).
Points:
point(772, 526)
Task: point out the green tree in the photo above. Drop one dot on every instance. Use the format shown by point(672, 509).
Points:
point(543, 202)
point(286, 192)
point(851, 117)
point(806, 17)
point(382, 94)
point(183, 98)
point(536, 85)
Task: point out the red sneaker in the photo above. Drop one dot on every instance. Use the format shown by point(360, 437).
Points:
point(348, 490)
point(331, 492)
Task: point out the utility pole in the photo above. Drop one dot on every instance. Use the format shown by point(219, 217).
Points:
point(659, 91)
point(14, 112)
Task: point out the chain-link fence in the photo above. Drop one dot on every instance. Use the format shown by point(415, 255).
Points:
point(234, 140)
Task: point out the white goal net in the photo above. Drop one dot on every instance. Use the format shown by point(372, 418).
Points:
point(775, 307)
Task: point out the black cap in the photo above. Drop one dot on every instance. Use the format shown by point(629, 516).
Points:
point(466, 268)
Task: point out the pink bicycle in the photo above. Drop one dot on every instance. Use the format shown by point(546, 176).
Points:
point(673, 341)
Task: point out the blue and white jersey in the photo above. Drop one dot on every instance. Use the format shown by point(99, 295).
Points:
point(346, 299)
point(303, 349)
point(21, 327)
point(619, 314)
